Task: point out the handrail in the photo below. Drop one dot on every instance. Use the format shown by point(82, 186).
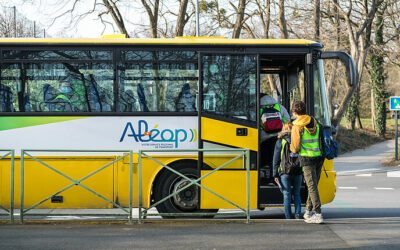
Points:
point(244, 153)
point(10, 153)
point(75, 182)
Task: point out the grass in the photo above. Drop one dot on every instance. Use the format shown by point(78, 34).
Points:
point(350, 140)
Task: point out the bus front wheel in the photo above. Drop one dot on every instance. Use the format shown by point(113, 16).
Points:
point(185, 201)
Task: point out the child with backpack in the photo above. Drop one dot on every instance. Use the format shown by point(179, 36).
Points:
point(287, 172)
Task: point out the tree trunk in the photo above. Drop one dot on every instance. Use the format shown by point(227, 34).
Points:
point(359, 42)
point(181, 20)
point(264, 12)
point(153, 16)
point(378, 78)
point(282, 20)
point(116, 16)
point(373, 117)
point(267, 20)
point(317, 18)
point(237, 28)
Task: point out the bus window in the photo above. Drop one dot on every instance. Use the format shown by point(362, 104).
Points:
point(62, 87)
point(158, 81)
point(271, 85)
point(57, 55)
point(9, 81)
point(229, 86)
point(297, 91)
point(321, 107)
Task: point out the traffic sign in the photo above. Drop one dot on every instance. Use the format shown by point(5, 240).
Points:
point(394, 103)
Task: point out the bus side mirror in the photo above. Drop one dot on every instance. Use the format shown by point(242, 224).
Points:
point(351, 71)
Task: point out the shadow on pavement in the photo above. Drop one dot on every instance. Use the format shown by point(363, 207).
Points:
point(354, 212)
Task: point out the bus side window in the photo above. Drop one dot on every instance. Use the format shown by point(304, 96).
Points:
point(6, 98)
point(142, 98)
point(231, 81)
point(185, 100)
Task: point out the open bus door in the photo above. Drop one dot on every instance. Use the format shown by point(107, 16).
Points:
point(228, 118)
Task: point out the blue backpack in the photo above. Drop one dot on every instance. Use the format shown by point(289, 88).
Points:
point(330, 147)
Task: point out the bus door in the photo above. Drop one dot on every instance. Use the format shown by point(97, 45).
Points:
point(228, 118)
point(281, 78)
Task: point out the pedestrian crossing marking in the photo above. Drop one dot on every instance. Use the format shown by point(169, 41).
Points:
point(364, 175)
point(393, 174)
point(383, 188)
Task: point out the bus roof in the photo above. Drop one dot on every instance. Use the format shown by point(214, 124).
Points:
point(158, 41)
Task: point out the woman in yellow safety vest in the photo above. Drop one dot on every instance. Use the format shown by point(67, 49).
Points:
point(306, 142)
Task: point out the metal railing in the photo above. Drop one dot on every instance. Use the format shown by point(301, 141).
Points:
point(243, 153)
point(10, 153)
point(76, 182)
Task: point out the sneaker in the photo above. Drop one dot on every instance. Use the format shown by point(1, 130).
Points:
point(308, 214)
point(315, 219)
point(297, 216)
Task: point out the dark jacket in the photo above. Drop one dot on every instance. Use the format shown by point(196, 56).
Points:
point(277, 154)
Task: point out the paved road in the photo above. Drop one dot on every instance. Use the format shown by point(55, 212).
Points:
point(365, 160)
point(365, 214)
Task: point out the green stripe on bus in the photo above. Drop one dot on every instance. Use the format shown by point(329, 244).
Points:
point(13, 122)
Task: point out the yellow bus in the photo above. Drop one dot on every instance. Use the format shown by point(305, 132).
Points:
point(138, 94)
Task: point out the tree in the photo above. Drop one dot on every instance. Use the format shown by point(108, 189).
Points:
point(182, 18)
point(240, 11)
point(317, 17)
point(282, 20)
point(152, 9)
point(378, 92)
point(113, 10)
point(15, 24)
point(359, 38)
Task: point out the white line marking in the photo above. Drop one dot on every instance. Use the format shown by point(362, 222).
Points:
point(364, 175)
point(348, 187)
point(383, 188)
point(393, 174)
point(357, 171)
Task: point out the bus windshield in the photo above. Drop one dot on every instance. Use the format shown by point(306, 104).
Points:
point(321, 106)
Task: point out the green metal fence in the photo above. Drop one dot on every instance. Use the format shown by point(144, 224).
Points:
point(243, 153)
point(9, 153)
point(75, 182)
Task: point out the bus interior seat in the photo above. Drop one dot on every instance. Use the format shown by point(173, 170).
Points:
point(128, 101)
point(6, 97)
point(185, 100)
point(142, 98)
point(54, 101)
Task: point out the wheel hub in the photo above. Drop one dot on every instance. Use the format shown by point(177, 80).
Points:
point(188, 198)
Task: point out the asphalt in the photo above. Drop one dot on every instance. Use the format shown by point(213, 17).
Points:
point(365, 160)
point(364, 215)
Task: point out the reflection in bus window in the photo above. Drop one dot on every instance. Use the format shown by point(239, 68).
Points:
point(9, 85)
point(158, 81)
point(6, 98)
point(62, 87)
point(321, 106)
point(297, 93)
point(57, 54)
point(271, 85)
point(229, 84)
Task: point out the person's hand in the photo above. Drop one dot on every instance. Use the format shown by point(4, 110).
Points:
point(276, 179)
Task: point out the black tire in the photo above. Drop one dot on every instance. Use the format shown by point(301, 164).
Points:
point(186, 201)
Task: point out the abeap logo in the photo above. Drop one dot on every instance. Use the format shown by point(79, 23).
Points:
point(162, 137)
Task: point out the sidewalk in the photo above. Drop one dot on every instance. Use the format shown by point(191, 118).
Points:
point(366, 160)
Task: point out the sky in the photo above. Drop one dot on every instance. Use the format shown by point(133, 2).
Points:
point(44, 11)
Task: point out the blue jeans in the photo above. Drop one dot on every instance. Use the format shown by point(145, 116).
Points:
point(291, 186)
